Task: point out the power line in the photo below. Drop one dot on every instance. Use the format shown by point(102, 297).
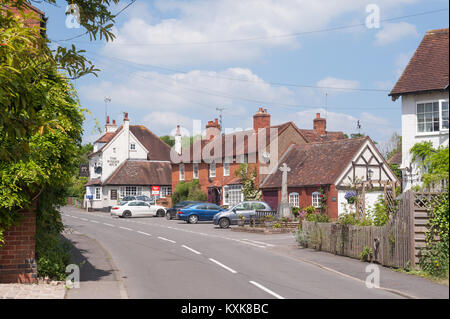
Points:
point(242, 80)
point(288, 35)
point(231, 97)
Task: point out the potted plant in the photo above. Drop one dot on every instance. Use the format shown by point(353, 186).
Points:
point(269, 220)
point(350, 197)
point(241, 220)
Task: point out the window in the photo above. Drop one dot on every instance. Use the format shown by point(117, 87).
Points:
point(232, 195)
point(130, 191)
point(98, 193)
point(226, 169)
point(133, 146)
point(432, 116)
point(212, 169)
point(195, 171)
point(181, 172)
point(258, 206)
point(165, 191)
point(243, 206)
point(293, 200)
point(316, 199)
point(113, 195)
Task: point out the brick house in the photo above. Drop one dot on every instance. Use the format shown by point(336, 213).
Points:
point(18, 253)
point(423, 87)
point(217, 176)
point(127, 161)
point(330, 165)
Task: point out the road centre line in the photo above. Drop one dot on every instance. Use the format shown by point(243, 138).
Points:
point(266, 289)
point(108, 225)
point(143, 233)
point(223, 266)
point(126, 228)
point(169, 240)
point(94, 221)
point(193, 250)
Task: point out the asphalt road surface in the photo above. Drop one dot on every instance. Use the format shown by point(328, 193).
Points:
point(158, 258)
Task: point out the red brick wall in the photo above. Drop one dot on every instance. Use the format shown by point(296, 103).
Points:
point(17, 255)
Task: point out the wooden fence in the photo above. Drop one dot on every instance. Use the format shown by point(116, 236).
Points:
point(395, 244)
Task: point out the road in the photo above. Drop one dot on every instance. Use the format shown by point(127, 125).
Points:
point(158, 258)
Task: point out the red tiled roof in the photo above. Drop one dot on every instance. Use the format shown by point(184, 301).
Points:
point(139, 172)
point(396, 158)
point(315, 163)
point(312, 136)
point(428, 68)
point(105, 138)
point(96, 181)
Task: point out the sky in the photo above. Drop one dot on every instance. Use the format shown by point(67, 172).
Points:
point(175, 61)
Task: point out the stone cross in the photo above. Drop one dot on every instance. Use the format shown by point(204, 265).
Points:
point(284, 210)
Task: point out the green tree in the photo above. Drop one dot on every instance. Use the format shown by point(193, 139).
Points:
point(188, 191)
point(248, 179)
point(433, 162)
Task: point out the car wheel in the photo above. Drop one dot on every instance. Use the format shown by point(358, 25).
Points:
point(168, 216)
point(160, 213)
point(193, 219)
point(224, 223)
point(126, 214)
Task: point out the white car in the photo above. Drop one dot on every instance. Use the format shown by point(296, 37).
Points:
point(137, 208)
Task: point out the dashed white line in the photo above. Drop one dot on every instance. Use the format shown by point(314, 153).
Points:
point(223, 266)
point(126, 228)
point(143, 233)
point(94, 221)
point(84, 219)
point(258, 242)
point(193, 250)
point(266, 290)
point(75, 217)
point(109, 225)
point(169, 240)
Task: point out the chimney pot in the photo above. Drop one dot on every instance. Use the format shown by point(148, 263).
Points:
point(107, 119)
point(126, 116)
point(320, 125)
point(114, 122)
point(317, 115)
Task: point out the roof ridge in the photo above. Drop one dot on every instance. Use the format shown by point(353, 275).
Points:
point(434, 31)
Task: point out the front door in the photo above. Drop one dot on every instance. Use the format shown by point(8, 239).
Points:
point(214, 195)
point(271, 198)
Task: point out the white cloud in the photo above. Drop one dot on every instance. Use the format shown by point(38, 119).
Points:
point(339, 85)
point(167, 122)
point(201, 21)
point(392, 32)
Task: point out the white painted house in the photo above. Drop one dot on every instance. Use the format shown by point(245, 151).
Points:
point(127, 160)
point(423, 87)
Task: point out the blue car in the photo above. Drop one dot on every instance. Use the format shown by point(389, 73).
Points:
point(199, 212)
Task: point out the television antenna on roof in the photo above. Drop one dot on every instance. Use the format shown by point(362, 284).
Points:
point(220, 116)
point(107, 100)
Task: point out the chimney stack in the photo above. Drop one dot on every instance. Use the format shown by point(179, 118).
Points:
point(212, 129)
point(261, 119)
point(110, 127)
point(320, 125)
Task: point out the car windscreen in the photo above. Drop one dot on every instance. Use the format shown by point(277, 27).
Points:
point(123, 203)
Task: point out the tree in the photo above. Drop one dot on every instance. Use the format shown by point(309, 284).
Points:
point(188, 191)
point(433, 162)
point(248, 178)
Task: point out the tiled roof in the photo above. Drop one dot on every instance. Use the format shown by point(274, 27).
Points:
point(428, 68)
point(139, 172)
point(96, 181)
point(396, 158)
point(315, 163)
point(312, 136)
point(157, 149)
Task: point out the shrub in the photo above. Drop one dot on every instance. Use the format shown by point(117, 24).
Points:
point(302, 238)
point(380, 212)
point(296, 211)
point(53, 255)
point(269, 218)
point(188, 191)
point(277, 225)
point(350, 219)
point(317, 218)
point(366, 254)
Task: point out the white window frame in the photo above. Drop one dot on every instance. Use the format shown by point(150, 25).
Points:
point(441, 129)
point(294, 199)
point(98, 193)
point(182, 172)
point(130, 191)
point(232, 194)
point(195, 171)
point(165, 191)
point(226, 169)
point(132, 146)
point(315, 197)
point(212, 169)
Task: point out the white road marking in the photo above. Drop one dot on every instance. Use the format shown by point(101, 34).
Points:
point(75, 217)
point(108, 225)
point(193, 250)
point(223, 266)
point(84, 219)
point(143, 233)
point(126, 228)
point(258, 242)
point(94, 221)
point(169, 240)
point(266, 290)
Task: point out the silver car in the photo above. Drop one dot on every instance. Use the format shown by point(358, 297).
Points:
point(231, 216)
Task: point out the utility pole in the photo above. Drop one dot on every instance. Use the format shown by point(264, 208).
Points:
point(220, 116)
point(358, 126)
point(107, 100)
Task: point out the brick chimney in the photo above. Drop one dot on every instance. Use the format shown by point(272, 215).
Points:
point(110, 127)
point(261, 119)
point(212, 129)
point(320, 125)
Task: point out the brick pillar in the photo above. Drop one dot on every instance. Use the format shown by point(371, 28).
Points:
point(17, 255)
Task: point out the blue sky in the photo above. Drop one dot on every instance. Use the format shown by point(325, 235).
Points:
point(174, 61)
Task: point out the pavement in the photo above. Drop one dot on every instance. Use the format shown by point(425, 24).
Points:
point(32, 291)
point(158, 258)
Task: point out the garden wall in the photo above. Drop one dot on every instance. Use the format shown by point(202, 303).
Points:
point(395, 244)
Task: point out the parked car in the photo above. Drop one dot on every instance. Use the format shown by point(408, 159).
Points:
point(198, 212)
point(137, 208)
point(139, 197)
point(171, 213)
point(230, 217)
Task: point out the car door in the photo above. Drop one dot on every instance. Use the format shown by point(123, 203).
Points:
point(244, 209)
point(201, 211)
point(212, 209)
